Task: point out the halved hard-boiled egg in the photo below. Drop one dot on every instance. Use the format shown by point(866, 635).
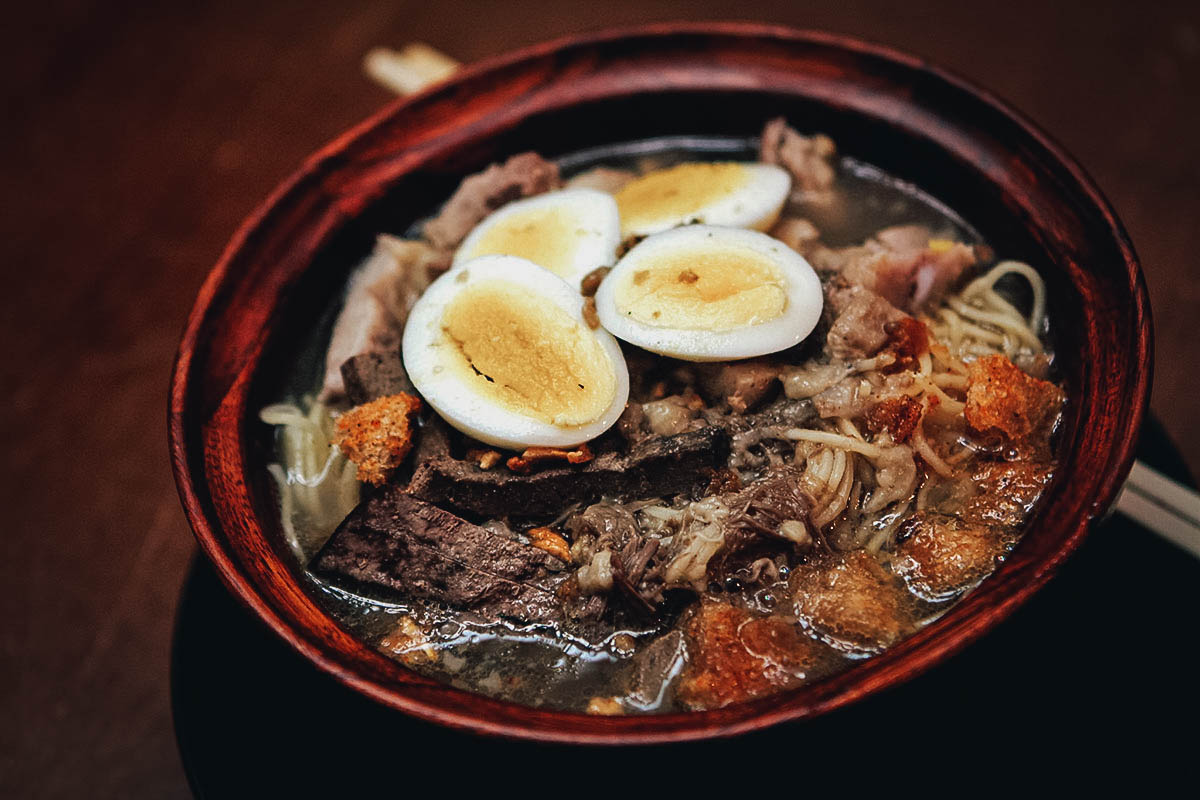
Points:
point(731, 193)
point(569, 232)
point(708, 293)
point(498, 346)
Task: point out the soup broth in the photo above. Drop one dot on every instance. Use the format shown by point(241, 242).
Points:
point(860, 488)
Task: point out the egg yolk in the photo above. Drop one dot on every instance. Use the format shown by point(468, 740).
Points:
point(716, 289)
point(549, 237)
point(677, 195)
point(526, 355)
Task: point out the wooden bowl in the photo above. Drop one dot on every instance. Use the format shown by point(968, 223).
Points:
point(957, 142)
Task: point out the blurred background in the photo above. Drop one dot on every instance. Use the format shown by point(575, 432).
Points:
point(137, 137)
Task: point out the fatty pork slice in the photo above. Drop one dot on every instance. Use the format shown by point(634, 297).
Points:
point(860, 324)
point(849, 601)
point(380, 295)
point(904, 265)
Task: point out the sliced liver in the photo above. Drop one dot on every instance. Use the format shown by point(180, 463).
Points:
point(395, 545)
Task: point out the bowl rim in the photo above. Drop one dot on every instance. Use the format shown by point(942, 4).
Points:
point(572, 727)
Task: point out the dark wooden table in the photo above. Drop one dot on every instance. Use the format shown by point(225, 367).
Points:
point(135, 140)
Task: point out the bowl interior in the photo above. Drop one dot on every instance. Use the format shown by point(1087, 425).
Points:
point(271, 292)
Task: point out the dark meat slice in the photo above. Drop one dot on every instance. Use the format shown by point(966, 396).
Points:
point(655, 666)
point(742, 385)
point(734, 656)
point(808, 159)
point(940, 556)
point(849, 601)
point(395, 545)
point(860, 329)
point(370, 376)
point(782, 413)
point(654, 467)
point(757, 439)
point(523, 175)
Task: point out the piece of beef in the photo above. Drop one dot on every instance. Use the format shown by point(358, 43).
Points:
point(808, 159)
point(654, 467)
point(850, 602)
point(395, 545)
point(783, 412)
point(755, 527)
point(939, 556)
point(859, 329)
point(370, 376)
point(523, 175)
point(742, 385)
point(378, 299)
point(758, 439)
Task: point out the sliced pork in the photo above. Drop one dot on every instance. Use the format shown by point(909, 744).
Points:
point(379, 297)
point(523, 175)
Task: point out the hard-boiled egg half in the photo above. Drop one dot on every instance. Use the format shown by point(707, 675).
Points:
point(569, 232)
point(709, 293)
point(498, 346)
point(732, 193)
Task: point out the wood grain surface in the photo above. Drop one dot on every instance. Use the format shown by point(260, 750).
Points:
point(137, 139)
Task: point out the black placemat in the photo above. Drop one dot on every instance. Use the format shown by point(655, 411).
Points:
point(1093, 676)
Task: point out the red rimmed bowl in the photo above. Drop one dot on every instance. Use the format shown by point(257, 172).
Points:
point(917, 122)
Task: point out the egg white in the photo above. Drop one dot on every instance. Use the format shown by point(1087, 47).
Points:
point(426, 349)
point(756, 203)
point(801, 288)
point(584, 234)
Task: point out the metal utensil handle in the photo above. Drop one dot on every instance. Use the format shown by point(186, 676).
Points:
point(1166, 507)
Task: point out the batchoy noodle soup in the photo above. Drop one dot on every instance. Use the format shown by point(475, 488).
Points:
point(666, 425)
